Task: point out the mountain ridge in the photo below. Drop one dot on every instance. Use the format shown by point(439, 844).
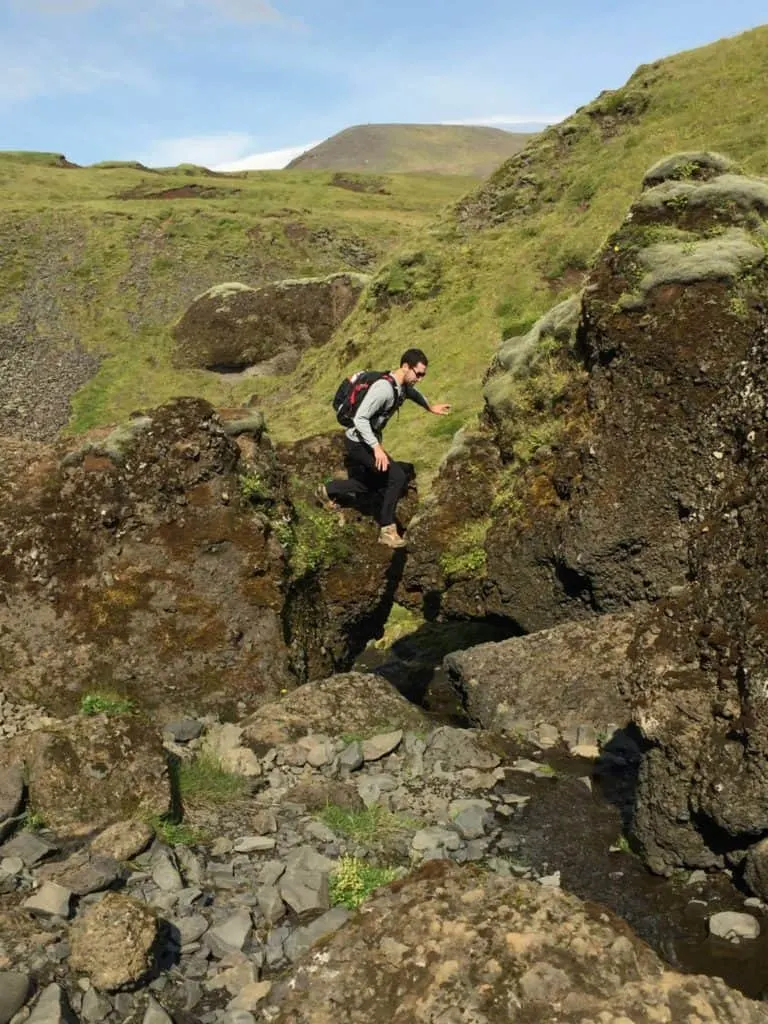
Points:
point(474, 150)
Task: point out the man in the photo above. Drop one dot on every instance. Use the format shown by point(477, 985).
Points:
point(369, 467)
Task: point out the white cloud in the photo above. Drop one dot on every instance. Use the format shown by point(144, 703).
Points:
point(273, 160)
point(206, 150)
point(502, 119)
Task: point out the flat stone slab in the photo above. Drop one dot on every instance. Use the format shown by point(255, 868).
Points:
point(30, 847)
point(51, 1008)
point(376, 747)
point(231, 935)
point(254, 844)
point(51, 900)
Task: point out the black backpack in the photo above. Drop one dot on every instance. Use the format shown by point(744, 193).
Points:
point(352, 390)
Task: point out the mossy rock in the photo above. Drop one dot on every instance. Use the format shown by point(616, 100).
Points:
point(233, 327)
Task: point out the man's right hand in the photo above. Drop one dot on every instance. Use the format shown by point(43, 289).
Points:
point(381, 458)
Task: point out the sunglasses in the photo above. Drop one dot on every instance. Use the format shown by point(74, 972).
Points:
point(418, 374)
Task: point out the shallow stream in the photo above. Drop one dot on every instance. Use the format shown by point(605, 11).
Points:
point(570, 824)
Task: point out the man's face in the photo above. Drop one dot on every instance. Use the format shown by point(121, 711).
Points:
point(415, 373)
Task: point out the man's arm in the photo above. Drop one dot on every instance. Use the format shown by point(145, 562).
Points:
point(416, 396)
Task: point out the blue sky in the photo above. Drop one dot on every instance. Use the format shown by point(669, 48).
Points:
point(216, 81)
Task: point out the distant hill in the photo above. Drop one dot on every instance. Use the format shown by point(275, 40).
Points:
point(422, 148)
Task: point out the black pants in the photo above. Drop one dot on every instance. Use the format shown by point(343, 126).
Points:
point(365, 479)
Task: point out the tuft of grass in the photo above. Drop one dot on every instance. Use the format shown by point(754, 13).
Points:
point(106, 704)
point(33, 820)
point(176, 833)
point(203, 780)
point(254, 488)
point(319, 539)
point(354, 880)
point(466, 555)
point(371, 825)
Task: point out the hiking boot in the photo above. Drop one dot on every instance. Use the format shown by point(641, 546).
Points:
point(388, 535)
point(322, 495)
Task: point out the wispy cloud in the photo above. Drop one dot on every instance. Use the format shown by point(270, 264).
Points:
point(273, 160)
point(245, 10)
point(41, 70)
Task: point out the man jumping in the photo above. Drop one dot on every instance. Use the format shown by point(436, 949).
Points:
point(369, 467)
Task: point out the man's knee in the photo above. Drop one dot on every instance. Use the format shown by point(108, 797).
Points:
point(399, 474)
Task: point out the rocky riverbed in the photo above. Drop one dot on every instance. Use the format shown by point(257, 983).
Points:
point(209, 921)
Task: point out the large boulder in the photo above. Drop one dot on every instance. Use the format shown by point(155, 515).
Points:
point(582, 489)
point(570, 675)
point(355, 703)
point(182, 562)
point(84, 773)
point(449, 944)
point(232, 327)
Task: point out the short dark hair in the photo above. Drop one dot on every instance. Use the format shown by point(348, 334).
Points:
point(412, 357)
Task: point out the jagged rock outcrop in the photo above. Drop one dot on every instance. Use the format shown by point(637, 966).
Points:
point(233, 327)
point(180, 561)
point(601, 424)
point(624, 445)
point(500, 950)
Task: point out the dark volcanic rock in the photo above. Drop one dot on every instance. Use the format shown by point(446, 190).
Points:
point(180, 561)
point(231, 326)
point(603, 422)
point(624, 444)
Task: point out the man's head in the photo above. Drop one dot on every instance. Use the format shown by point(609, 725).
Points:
point(414, 364)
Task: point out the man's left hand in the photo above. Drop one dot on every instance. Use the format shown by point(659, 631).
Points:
point(440, 410)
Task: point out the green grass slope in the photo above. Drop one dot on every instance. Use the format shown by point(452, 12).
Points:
point(419, 148)
point(108, 257)
point(523, 240)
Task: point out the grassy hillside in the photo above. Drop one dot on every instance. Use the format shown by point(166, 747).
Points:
point(106, 258)
point(418, 148)
point(522, 241)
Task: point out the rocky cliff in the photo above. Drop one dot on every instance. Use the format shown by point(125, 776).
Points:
point(620, 467)
point(180, 561)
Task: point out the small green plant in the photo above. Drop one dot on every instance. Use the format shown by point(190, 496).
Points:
point(319, 539)
point(205, 781)
point(620, 846)
point(466, 555)
point(176, 833)
point(738, 308)
point(367, 826)
point(105, 704)
point(354, 881)
point(253, 488)
point(33, 820)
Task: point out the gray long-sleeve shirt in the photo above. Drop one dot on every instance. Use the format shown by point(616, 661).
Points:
point(376, 408)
